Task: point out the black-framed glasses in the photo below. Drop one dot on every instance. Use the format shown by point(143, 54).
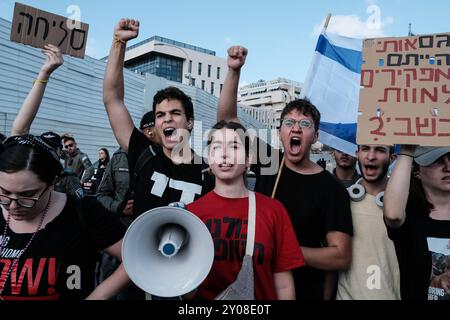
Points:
point(303, 123)
point(67, 146)
point(22, 202)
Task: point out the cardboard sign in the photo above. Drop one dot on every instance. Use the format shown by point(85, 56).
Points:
point(38, 28)
point(405, 94)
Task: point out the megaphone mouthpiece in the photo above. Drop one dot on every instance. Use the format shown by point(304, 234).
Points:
point(173, 237)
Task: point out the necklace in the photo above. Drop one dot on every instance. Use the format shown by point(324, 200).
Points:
point(3, 244)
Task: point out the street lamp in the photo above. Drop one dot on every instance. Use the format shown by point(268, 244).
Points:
point(182, 50)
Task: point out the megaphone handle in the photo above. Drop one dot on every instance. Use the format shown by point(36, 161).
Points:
point(251, 224)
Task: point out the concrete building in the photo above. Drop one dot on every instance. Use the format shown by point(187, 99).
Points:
point(264, 100)
point(179, 62)
point(73, 101)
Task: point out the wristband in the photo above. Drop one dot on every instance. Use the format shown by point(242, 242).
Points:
point(39, 81)
point(117, 41)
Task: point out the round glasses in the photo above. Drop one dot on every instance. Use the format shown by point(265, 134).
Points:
point(303, 123)
point(22, 202)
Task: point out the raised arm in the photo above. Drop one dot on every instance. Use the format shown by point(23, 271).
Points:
point(113, 84)
point(397, 190)
point(30, 106)
point(228, 98)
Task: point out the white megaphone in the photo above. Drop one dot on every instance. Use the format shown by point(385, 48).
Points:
point(167, 251)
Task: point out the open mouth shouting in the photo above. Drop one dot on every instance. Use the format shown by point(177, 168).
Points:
point(170, 135)
point(295, 145)
point(371, 170)
point(168, 132)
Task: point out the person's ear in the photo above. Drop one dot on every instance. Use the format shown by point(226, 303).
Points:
point(190, 124)
point(316, 137)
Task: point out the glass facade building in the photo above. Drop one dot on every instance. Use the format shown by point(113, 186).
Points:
point(168, 67)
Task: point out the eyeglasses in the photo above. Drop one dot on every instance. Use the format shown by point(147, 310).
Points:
point(303, 123)
point(22, 202)
point(67, 146)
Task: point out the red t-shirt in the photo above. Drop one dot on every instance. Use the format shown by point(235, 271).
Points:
point(276, 247)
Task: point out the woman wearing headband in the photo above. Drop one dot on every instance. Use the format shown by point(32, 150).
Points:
point(48, 240)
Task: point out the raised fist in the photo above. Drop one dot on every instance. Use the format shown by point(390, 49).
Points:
point(126, 29)
point(236, 57)
point(54, 59)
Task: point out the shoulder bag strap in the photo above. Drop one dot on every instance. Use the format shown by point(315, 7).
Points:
point(251, 225)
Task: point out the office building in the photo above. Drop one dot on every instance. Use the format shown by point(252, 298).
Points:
point(264, 100)
point(179, 62)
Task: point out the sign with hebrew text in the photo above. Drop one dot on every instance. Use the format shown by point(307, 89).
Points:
point(405, 91)
point(37, 28)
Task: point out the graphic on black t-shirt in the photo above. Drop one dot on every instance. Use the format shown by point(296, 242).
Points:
point(440, 274)
point(27, 276)
point(188, 190)
point(160, 181)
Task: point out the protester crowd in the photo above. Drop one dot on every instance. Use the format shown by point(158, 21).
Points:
point(346, 235)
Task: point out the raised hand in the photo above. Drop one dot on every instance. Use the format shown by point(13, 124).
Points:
point(53, 61)
point(408, 149)
point(126, 29)
point(236, 57)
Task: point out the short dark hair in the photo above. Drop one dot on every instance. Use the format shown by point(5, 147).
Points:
point(239, 128)
point(172, 93)
point(303, 106)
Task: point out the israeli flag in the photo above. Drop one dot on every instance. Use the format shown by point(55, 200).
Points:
point(332, 85)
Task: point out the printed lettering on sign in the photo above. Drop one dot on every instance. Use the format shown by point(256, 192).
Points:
point(38, 28)
point(405, 91)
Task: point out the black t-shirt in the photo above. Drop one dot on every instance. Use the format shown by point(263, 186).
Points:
point(317, 204)
point(60, 261)
point(418, 255)
point(160, 181)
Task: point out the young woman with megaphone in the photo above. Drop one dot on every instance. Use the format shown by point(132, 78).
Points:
point(255, 244)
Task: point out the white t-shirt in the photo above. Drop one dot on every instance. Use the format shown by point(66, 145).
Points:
point(374, 272)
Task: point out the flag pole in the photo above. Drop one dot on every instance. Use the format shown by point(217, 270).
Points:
point(274, 191)
point(278, 177)
point(327, 22)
